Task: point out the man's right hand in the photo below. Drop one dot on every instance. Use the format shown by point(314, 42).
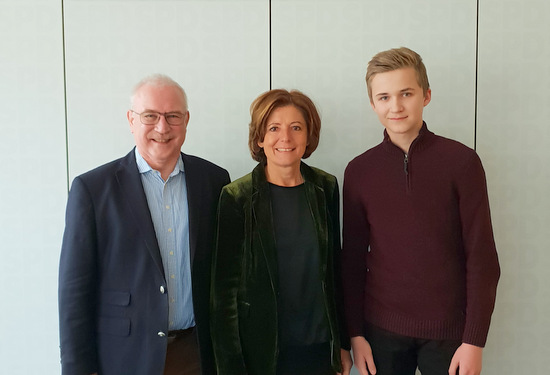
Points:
point(362, 355)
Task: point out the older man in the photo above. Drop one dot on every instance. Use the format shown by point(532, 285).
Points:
point(134, 275)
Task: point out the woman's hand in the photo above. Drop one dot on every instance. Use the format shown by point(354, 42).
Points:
point(345, 357)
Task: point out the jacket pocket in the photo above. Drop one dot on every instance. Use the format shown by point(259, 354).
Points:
point(113, 308)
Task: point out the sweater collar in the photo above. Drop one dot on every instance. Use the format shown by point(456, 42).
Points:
point(424, 138)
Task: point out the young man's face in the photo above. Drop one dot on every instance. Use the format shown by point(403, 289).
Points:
point(398, 100)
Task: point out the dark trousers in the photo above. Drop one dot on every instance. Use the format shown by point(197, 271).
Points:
point(182, 354)
point(401, 355)
point(305, 360)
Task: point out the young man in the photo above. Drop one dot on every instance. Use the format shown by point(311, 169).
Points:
point(419, 260)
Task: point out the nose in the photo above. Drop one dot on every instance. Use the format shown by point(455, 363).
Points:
point(162, 126)
point(396, 105)
point(285, 133)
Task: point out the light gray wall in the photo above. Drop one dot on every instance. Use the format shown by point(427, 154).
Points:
point(33, 184)
point(513, 139)
point(66, 69)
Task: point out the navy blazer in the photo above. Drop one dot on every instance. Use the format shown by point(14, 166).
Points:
point(113, 309)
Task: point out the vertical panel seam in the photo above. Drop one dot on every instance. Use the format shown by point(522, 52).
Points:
point(476, 75)
point(65, 92)
point(270, 50)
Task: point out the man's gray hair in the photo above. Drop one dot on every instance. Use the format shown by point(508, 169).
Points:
point(158, 80)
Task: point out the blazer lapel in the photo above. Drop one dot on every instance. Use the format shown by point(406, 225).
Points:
point(193, 183)
point(132, 190)
point(317, 203)
point(263, 219)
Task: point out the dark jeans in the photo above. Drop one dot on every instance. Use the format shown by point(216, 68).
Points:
point(401, 355)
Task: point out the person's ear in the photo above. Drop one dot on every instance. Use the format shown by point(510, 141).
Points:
point(187, 117)
point(130, 117)
point(427, 97)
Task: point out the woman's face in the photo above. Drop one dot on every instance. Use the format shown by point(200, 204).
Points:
point(285, 137)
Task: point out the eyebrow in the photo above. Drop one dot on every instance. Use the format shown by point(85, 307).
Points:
point(278, 123)
point(400, 91)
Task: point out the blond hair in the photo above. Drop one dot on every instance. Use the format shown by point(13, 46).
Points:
point(397, 58)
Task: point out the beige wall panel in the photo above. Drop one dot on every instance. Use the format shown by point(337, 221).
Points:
point(513, 139)
point(322, 48)
point(32, 184)
point(217, 50)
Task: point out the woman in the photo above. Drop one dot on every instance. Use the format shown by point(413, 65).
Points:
point(274, 280)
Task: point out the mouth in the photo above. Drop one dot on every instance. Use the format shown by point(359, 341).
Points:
point(160, 140)
point(285, 149)
point(397, 118)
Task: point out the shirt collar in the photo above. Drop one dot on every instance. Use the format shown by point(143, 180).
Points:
point(144, 167)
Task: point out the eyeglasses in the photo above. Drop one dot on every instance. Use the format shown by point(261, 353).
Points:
point(152, 118)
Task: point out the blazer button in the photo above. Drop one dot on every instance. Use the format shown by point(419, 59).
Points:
point(162, 289)
point(161, 334)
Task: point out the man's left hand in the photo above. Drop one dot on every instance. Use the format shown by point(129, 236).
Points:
point(467, 360)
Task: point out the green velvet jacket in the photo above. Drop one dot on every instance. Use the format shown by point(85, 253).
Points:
point(245, 277)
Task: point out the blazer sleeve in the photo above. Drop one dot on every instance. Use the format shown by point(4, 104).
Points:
point(77, 284)
point(226, 276)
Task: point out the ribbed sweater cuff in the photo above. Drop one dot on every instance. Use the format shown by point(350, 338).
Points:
point(475, 334)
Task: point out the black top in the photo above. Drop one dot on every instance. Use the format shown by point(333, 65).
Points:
point(302, 316)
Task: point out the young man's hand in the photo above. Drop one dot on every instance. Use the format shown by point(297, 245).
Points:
point(345, 357)
point(362, 355)
point(467, 360)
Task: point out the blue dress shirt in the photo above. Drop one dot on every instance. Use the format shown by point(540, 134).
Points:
point(169, 209)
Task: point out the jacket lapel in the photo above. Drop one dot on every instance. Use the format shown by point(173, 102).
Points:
point(317, 203)
point(263, 219)
point(131, 186)
point(193, 183)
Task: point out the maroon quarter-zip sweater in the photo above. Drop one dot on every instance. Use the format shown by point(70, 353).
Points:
point(419, 257)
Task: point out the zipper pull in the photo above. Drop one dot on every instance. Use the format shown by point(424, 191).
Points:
point(406, 164)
